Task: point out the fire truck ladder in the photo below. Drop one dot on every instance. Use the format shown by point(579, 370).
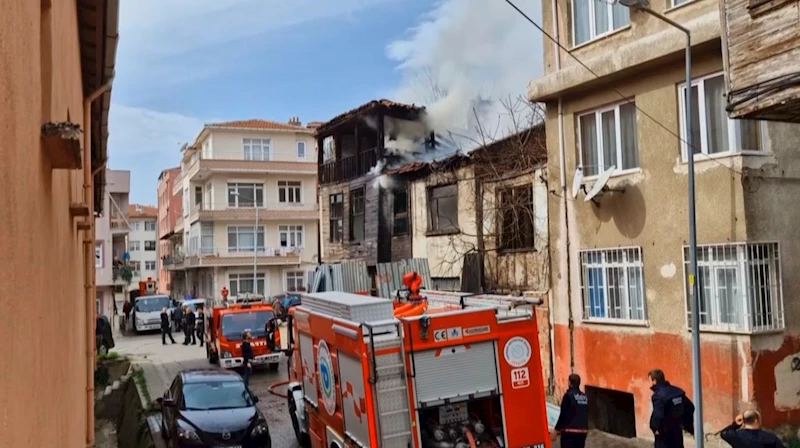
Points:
point(389, 382)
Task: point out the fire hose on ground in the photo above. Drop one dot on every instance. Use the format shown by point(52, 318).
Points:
point(272, 390)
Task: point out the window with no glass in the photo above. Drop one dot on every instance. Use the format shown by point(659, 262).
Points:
point(336, 217)
point(357, 215)
point(245, 195)
point(291, 236)
point(443, 208)
point(243, 238)
point(712, 131)
point(256, 149)
point(289, 191)
point(607, 138)
point(612, 284)
point(739, 286)
point(516, 218)
point(594, 18)
point(400, 205)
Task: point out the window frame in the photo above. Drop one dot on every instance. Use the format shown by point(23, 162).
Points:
point(604, 266)
point(339, 217)
point(304, 150)
point(251, 143)
point(153, 224)
point(517, 224)
point(294, 273)
point(236, 185)
point(134, 246)
point(150, 263)
point(598, 114)
point(237, 277)
point(438, 229)
point(289, 229)
point(742, 264)
point(285, 187)
point(401, 216)
point(246, 229)
point(99, 254)
point(154, 245)
point(355, 216)
point(328, 149)
point(734, 126)
point(593, 36)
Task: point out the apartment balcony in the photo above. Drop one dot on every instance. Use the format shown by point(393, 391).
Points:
point(348, 168)
point(179, 224)
point(118, 224)
point(233, 257)
point(201, 169)
point(173, 262)
point(270, 212)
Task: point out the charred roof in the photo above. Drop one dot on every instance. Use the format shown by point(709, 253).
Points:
point(392, 108)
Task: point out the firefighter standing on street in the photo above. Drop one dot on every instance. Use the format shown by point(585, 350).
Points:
point(746, 432)
point(165, 328)
point(188, 326)
point(247, 357)
point(673, 412)
point(201, 325)
point(573, 421)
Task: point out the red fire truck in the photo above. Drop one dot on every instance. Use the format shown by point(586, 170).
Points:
point(450, 371)
point(225, 323)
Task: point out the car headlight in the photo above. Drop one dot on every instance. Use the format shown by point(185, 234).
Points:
point(226, 354)
point(188, 434)
point(260, 429)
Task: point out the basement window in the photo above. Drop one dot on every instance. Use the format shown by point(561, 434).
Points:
point(740, 287)
point(516, 218)
point(612, 284)
point(443, 208)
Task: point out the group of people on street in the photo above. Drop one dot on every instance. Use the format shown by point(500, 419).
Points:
point(673, 413)
point(193, 326)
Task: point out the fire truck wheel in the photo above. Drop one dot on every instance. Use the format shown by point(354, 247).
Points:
point(273, 366)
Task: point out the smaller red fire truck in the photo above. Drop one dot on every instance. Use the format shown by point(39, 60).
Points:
point(432, 370)
point(225, 324)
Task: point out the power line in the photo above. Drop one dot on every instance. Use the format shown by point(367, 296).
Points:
point(625, 98)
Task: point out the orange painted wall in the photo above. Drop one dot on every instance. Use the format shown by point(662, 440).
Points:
point(764, 373)
point(620, 361)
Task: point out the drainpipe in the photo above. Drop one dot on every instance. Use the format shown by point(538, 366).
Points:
point(88, 249)
point(563, 179)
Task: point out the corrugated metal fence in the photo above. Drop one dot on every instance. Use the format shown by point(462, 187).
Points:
point(390, 275)
point(348, 276)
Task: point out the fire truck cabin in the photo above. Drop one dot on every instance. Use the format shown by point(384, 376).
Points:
point(464, 372)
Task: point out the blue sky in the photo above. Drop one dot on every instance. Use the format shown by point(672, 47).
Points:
point(182, 63)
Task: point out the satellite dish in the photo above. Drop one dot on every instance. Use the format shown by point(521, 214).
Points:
point(600, 183)
point(577, 181)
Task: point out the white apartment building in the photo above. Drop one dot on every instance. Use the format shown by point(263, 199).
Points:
point(142, 243)
point(111, 233)
point(249, 204)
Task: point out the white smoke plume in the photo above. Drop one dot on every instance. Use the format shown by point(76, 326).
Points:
point(465, 56)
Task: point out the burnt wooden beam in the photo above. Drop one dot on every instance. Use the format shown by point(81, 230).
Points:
point(357, 137)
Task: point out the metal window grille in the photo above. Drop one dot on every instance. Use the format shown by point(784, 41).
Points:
point(740, 287)
point(612, 284)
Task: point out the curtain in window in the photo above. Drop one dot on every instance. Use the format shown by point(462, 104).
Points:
point(600, 17)
point(635, 299)
point(727, 294)
point(630, 150)
point(588, 129)
point(581, 21)
point(596, 292)
point(621, 15)
point(716, 116)
point(609, 140)
point(750, 135)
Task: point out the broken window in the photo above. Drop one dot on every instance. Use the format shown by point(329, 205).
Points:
point(443, 208)
point(357, 215)
point(336, 217)
point(400, 212)
point(516, 218)
point(328, 149)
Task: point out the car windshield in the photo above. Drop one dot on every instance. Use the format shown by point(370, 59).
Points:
point(215, 395)
point(254, 321)
point(150, 304)
point(192, 306)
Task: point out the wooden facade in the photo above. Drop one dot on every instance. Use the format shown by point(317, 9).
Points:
point(761, 49)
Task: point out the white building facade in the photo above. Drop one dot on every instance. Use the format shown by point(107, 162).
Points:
point(142, 243)
point(250, 216)
point(111, 233)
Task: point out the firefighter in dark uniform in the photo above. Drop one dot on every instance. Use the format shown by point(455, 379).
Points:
point(673, 412)
point(201, 325)
point(573, 422)
point(746, 432)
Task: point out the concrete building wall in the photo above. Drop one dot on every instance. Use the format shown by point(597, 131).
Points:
point(228, 145)
point(644, 62)
point(169, 208)
point(40, 80)
point(137, 242)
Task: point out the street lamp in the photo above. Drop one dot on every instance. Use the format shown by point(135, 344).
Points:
point(697, 386)
point(255, 240)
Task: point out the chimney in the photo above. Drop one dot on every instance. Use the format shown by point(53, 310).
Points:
point(294, 121)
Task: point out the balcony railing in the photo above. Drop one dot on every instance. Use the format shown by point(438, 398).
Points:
point(245, 252)
point(169, 260)
point(349, 167)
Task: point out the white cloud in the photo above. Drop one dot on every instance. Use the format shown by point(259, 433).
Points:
point(136, 130)
point(472, 49)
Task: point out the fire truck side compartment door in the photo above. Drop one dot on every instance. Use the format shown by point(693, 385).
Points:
point(309, 368)
point(353, 399)
point(455, 371)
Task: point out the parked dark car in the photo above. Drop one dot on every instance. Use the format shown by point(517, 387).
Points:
point(211, 407)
